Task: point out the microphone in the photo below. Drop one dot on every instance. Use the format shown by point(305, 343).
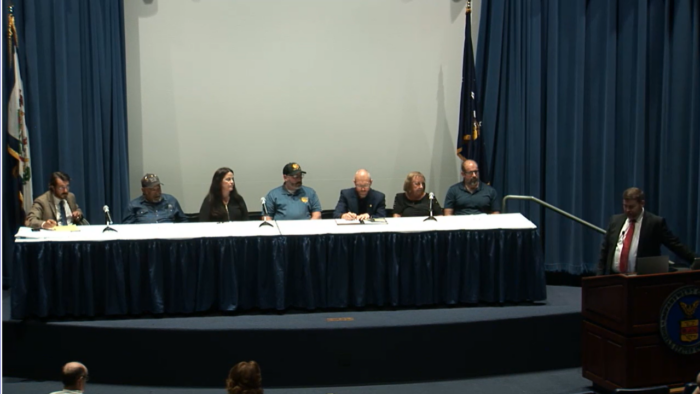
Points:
point(109, 218)
point(264, 207)
point(264, 213)
point(431, 196)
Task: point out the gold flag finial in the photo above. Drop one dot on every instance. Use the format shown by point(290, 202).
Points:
point(469, 6)
point(11, 32)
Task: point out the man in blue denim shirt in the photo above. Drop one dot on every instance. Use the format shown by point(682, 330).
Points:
point(153, 206)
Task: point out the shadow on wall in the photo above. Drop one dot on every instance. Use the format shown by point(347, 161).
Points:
point(147, 9)
point(444, 166)
point(457, 7)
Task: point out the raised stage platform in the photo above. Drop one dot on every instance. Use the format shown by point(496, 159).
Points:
point(305, 349)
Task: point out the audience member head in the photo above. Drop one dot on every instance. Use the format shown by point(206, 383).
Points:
point(244, 378)
point(223, 185)
point(697, 381)
point(414, 185)
point(151, 188)
point(59, 184)
point(632, 202)
point(74, 376)
point(363, 182)
point(292, 175)
point(470, 172)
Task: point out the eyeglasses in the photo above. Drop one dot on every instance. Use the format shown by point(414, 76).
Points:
point(86, 377)
point(363, 185)
point(418, 183)
point(62, 188)
point(297, 176)
point(470, 172)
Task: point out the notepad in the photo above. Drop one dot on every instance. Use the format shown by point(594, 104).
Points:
point(68, 228)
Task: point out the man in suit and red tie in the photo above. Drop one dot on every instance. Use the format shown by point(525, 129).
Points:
point(636, 233)
point(361, 202)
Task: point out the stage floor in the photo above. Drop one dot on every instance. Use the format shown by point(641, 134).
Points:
point(348, 347)
point(560, 299)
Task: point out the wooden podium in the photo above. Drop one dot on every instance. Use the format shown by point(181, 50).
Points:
point(622, 345)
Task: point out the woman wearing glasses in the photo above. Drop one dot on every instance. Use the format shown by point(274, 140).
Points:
point(414, 201)
point(223, 203)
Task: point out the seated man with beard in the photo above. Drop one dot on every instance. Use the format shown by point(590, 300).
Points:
point(292, 200)
point(153, 206)
point(471, 197)
point(361, 202)
point(56, 207)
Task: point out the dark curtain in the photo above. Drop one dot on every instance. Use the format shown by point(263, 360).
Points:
point(73, 67)
point(583, 99)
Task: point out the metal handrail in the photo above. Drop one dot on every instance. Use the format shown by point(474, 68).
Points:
point(553, 208)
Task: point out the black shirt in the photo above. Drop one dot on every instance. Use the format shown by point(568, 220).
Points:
point(236, 211)
point(406, 208)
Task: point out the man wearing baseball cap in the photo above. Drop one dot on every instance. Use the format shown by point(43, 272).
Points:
point(292, 200)
point(153, 206)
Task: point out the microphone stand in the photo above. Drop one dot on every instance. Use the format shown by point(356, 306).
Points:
point(109, 221)
point(431, 217)
point(265, 216)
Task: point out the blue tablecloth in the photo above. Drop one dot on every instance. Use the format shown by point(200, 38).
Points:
point(52, 279)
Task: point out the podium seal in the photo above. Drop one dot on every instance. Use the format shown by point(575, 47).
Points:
point(678, 325)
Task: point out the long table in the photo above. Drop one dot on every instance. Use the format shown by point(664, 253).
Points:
point(239, 266)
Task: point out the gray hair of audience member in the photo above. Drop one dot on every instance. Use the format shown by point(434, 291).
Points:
point(633, 193)
point(409, 180)
point(244, 378)
point(74, 375)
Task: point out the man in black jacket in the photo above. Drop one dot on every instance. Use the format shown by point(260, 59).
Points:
point(361, 202)
point(636, 233)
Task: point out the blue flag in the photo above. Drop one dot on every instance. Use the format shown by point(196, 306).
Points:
point(470, 144)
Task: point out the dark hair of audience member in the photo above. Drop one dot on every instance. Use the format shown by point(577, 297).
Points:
point(633, 193)
point(216, 200)
point(58, 175)
point(244, 378)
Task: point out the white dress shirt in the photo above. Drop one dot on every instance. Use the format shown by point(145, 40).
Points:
point(69, 215)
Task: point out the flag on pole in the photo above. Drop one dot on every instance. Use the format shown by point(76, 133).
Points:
point(470, 143)
point(18, 141)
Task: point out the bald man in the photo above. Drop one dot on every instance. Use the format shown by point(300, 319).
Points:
point(471, 197)
point(361, 202)
point(74, 376)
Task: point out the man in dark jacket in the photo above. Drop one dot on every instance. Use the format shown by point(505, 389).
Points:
point(636, 233)
point(361, 202)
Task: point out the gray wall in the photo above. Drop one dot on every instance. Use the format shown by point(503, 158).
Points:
point(253, 84)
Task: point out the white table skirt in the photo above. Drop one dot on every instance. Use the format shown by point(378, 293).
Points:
point(513, 221)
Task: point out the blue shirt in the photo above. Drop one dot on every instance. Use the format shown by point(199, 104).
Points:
point(284, 205)
point(167, 210)
point(483, 200)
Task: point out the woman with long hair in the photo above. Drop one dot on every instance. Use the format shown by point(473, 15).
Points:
point(223, 203)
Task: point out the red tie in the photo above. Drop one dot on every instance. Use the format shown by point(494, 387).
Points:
point(624, 255)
